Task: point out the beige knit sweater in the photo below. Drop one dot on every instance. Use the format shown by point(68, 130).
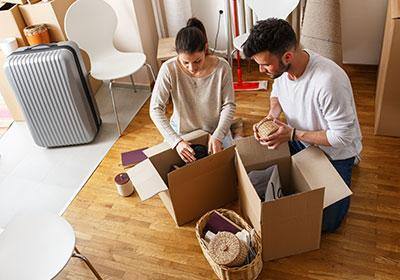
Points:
point(206, 103)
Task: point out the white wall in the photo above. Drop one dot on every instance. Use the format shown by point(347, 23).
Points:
point(148, 31)
point(362, 30)
point(208, 11)
point(362, 27)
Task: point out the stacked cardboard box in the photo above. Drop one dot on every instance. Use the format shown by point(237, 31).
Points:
point(12, 24)
point(288, 225)
point(21, 2)
point(52, 13)
point(387, 102)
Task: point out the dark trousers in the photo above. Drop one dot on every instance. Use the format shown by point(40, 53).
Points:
point(334, 214)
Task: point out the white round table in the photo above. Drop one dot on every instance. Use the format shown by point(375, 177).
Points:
point(37, 246)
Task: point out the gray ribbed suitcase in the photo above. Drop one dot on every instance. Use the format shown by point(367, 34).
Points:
point(51, 85)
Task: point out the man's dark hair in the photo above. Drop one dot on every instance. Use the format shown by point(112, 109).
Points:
point(273, 35)
point(191, 38)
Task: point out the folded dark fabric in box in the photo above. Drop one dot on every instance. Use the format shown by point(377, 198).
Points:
point(200, 151)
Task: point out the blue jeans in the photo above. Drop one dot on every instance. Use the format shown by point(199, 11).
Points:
point(335, 213)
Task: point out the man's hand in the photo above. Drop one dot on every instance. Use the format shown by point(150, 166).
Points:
point(280, 136)
point(214, 146)
point(185, 151)
point(255, 130)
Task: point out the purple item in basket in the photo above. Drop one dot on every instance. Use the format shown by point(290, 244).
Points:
point(217, 223)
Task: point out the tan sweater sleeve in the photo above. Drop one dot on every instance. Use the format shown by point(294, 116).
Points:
point(159, 100)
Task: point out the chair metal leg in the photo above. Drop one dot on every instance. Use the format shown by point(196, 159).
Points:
point(133, 83)
point(115, 108)
point(233, 52)
point(151, 71)
point(78, 255)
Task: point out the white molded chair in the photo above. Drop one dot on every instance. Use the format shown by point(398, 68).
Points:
point(266, 9)
point(92, 24)
point(37, 246)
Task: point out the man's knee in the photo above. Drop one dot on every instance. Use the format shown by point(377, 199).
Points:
point(334, 214)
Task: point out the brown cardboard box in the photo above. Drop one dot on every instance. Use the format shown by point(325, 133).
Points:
point(8, 94)
point(192, 190)
point(291, 224)
point(51, 13)
point(21, 2)
point(387, 102)
point(12, 23)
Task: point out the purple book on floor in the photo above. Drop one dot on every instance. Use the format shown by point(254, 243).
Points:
point(217, 223)
point(131, 158)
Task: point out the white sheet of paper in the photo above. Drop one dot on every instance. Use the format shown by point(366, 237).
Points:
point(274, 188)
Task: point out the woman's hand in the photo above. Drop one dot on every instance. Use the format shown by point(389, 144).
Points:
point(185, 151)
point(214, 146)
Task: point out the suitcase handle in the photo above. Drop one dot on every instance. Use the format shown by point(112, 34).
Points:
point(40, 46)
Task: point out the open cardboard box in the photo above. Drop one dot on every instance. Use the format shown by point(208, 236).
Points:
point(292, 224)
point(192, 190)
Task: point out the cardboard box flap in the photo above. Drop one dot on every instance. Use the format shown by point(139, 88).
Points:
point(165, 146)
point(203, 185)
point(201, 166)
point(146, 180)
point(318, 171)
point(303, 212)
point(253, 153)
point(395, 9)
point(149, 152)
point(194, 135)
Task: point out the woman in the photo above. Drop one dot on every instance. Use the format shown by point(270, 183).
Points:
point(200, 87)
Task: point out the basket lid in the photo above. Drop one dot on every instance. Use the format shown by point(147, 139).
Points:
point(225, 248)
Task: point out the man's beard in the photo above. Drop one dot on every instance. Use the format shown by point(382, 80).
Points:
point(282, 69)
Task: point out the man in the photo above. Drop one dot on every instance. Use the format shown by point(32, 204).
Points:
point(316, 97)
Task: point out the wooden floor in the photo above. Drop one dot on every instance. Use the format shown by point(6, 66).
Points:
point(129, 239)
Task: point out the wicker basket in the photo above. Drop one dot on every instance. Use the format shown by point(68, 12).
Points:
point(249, 271)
